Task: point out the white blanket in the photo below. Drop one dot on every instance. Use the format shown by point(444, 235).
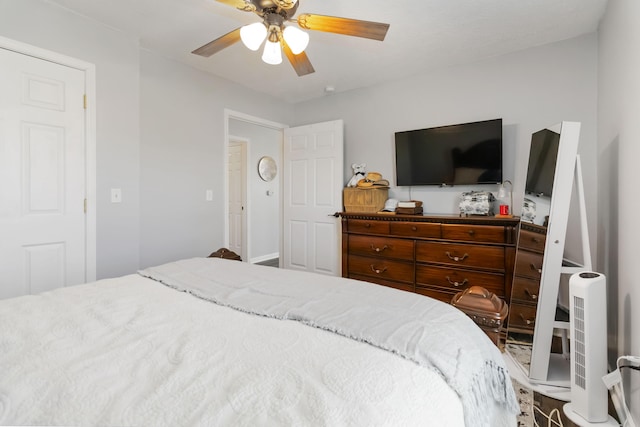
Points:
point(423, 330)
point(131, 352)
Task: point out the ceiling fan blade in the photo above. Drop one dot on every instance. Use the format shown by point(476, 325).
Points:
point(348, 27)
point(239, 4)
point(218, 44)
point(300, 62)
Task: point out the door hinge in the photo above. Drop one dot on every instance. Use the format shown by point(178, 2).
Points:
point(84, 101)
point(85, 205)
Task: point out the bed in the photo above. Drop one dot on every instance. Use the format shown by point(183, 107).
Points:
point(214, 342)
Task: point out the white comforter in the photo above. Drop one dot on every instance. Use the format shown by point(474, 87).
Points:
point(130, 351)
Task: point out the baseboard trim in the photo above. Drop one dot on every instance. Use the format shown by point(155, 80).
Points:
point(265, 257)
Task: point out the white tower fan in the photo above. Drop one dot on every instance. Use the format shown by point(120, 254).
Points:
point(588, 333)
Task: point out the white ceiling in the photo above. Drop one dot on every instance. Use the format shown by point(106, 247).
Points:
point(423, 35)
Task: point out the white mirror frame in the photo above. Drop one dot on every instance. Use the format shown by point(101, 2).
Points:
point(539, 370)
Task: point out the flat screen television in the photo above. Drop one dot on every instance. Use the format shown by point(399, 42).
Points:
point(543, 156)
point(462, 154)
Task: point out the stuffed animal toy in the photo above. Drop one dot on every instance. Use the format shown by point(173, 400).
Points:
point(358, 174)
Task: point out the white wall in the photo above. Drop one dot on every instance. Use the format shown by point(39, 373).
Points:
point(182, 155)
point(264, 216)
point(619, 150)
point(529, 90)
point(160, 137)
point(116, 58)
point(160, 134)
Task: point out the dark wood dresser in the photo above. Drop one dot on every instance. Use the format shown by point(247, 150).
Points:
point(528, 271)
point(436, 256)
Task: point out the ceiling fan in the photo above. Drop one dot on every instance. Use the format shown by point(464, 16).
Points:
point(290, 39)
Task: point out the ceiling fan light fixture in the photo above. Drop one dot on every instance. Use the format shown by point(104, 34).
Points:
point(252, 35)
point(272, 53)
point(297, 39)
point(285, 4)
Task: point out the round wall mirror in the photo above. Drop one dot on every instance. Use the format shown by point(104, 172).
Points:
point(267, 168)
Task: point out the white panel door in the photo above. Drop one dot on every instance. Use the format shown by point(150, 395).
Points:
point(42, 175)
point(313, 182)
point(237, 199)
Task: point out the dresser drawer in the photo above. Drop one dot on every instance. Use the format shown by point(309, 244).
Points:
point(474, 233)
point(389, 283)
point(487, 257)
point(525, 289)
point(365, 226)
point(528, 264)
point(435, 293)
point(458, 279)
point(522, 316)
point(415, 229)
point(399, 271)
point(532, 241)
point(386, 247)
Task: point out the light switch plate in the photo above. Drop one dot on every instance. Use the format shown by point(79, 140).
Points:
point(116, 195)
point(209, 195)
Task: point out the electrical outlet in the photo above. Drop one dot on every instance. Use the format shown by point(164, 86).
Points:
point(209, 195)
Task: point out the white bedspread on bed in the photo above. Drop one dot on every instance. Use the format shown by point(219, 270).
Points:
point(420, 329)
point(132, 352)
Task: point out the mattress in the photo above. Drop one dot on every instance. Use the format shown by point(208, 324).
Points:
point(134, 351)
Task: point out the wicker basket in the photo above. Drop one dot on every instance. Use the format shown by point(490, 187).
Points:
point(367, 200)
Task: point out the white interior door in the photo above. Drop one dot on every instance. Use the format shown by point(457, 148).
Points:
point(237, 198)
point(42, 175)
point(313, 182)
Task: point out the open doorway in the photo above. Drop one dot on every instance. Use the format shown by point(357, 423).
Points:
point(258, 227)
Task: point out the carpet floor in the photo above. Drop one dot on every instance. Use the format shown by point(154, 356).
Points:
point(525, 398)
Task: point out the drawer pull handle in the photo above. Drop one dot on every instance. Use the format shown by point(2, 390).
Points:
point(377, 270)
point(471, 232)
point(527, 321)
point(530, 295)
point(534, 268)
point(414, 228)
point(367, 225)
point(373, 248)
point(535, 240)
point(455, 257)
point(457, 284)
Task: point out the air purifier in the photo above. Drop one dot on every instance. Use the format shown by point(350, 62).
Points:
point(588, 334)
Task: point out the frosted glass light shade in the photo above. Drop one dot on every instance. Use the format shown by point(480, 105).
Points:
point(252, 35)
point(296, 39)
point(272, 53)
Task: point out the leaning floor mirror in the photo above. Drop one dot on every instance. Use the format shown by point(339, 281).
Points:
point(534, 315)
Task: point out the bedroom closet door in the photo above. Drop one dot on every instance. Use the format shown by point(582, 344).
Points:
point(313, 182)
point(42, 175)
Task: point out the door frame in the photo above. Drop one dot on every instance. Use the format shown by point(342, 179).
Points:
point(236, 115)
point(246, 228)
point(89, 143)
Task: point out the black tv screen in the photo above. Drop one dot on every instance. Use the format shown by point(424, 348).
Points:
point(543, 156)
point(462, 154)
